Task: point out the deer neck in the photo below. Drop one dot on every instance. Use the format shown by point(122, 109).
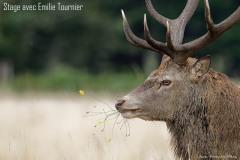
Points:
point(206, 119)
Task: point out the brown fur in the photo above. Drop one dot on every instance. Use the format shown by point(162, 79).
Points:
point(203, 117)
point(210, 125)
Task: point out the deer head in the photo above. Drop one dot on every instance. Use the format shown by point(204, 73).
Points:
point(179, 76)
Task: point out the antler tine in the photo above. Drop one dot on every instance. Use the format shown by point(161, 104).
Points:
point(169, 38)
point(188, 11)
point(208, 17)
point(214, 31)
point(134, 39)
point(161, 19)
point(230, 21)
point(152, 42)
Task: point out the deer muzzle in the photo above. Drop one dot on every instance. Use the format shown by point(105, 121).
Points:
point(126, 110)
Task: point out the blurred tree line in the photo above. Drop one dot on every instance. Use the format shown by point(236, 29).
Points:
point(92, 40)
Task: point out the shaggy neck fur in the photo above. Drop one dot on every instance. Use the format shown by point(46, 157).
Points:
point(208, 125)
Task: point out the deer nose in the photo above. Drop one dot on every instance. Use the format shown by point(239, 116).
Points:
point(119, 103)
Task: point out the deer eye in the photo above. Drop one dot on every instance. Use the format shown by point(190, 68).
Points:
point(166, 82)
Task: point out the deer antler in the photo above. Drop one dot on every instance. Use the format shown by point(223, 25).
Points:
point(214, 30)
point(132, 38)
point(175, 32)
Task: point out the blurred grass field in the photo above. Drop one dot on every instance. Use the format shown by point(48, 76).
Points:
point(42, 117)
point(37, 126)
point(62, 78)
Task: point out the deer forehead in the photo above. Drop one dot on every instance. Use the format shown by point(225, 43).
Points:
point(170, 70)
point(168, 74)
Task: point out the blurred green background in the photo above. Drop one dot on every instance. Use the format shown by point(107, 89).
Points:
point(72, 50)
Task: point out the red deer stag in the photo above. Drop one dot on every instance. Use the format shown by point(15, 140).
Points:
point(200, 106)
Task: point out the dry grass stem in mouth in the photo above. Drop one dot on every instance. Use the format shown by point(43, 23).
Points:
point(106, 116)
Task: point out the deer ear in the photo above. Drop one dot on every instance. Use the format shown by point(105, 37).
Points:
point(200, 67)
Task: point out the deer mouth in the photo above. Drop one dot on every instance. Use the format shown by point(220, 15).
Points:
point(129, 113)
point(128, 110)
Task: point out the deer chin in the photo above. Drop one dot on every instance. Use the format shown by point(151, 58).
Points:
point(130, 113)
point(134, 113)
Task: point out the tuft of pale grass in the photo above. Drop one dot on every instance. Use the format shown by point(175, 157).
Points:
point(53, 127)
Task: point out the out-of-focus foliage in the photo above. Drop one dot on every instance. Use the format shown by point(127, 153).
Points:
point(68, 79)
point(92, 40)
